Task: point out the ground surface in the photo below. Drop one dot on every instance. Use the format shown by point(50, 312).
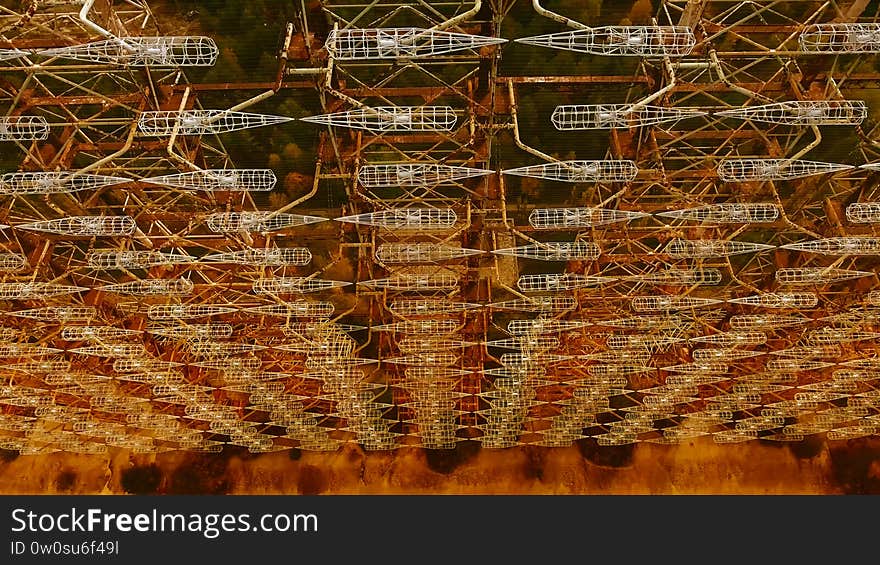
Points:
point(697, 467)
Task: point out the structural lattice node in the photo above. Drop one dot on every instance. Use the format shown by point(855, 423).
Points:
point(732, 213)
point(562, 218)
point(611, 116)
point(164, 123)
point(166, 51)
point(638, 41)
point(391, 118)
point(91, 226)
point(744, 170)
point(841, 38)
point(803, 112)
point(406, 218)
point(415, 174)
point(23, 128)
point(354, 44)
point(580, 171)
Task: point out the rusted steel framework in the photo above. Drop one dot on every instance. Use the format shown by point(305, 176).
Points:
point(711, 272)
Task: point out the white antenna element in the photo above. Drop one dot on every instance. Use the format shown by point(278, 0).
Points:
point(678, 277)
point(580, 171)
point(561, 218)
point(863, 212)
point(12, 262)
point(85, 226)
point(555, 251)
point(747, 322)
point(406, 218)
point(35, 290)
point(415, 174)
point(300, 285)
point(829, 335)
point(152, 287)
point(96, 333)
point(638, 41)
point(356, 44)
point(817, 275)
point(232, 180)
point(611, 116)
point(795, 365)
point(58, 313)
point(186, 311)
point(23, 128)
point(551, 282)
point(168, 51)
point(299, 309)
point(415, 282)
point(193, 331)
point(112, 260)
point(54, 182)
point(11, 54)
point(391, 118)
point(297, 256)
point(124, 350)
point(744, 170)
point(803, 112)
point(664, 303)
point(839, 246)
point(841, 38)
point(229, 222)
point(734, 213)
point(779, 300)
point(711, 248)
point(408, 253)
point(202, 122)
point(538, 304)
point(420, 327)
point(429, 307)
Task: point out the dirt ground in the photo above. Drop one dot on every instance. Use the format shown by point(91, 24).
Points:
point(698, 467)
